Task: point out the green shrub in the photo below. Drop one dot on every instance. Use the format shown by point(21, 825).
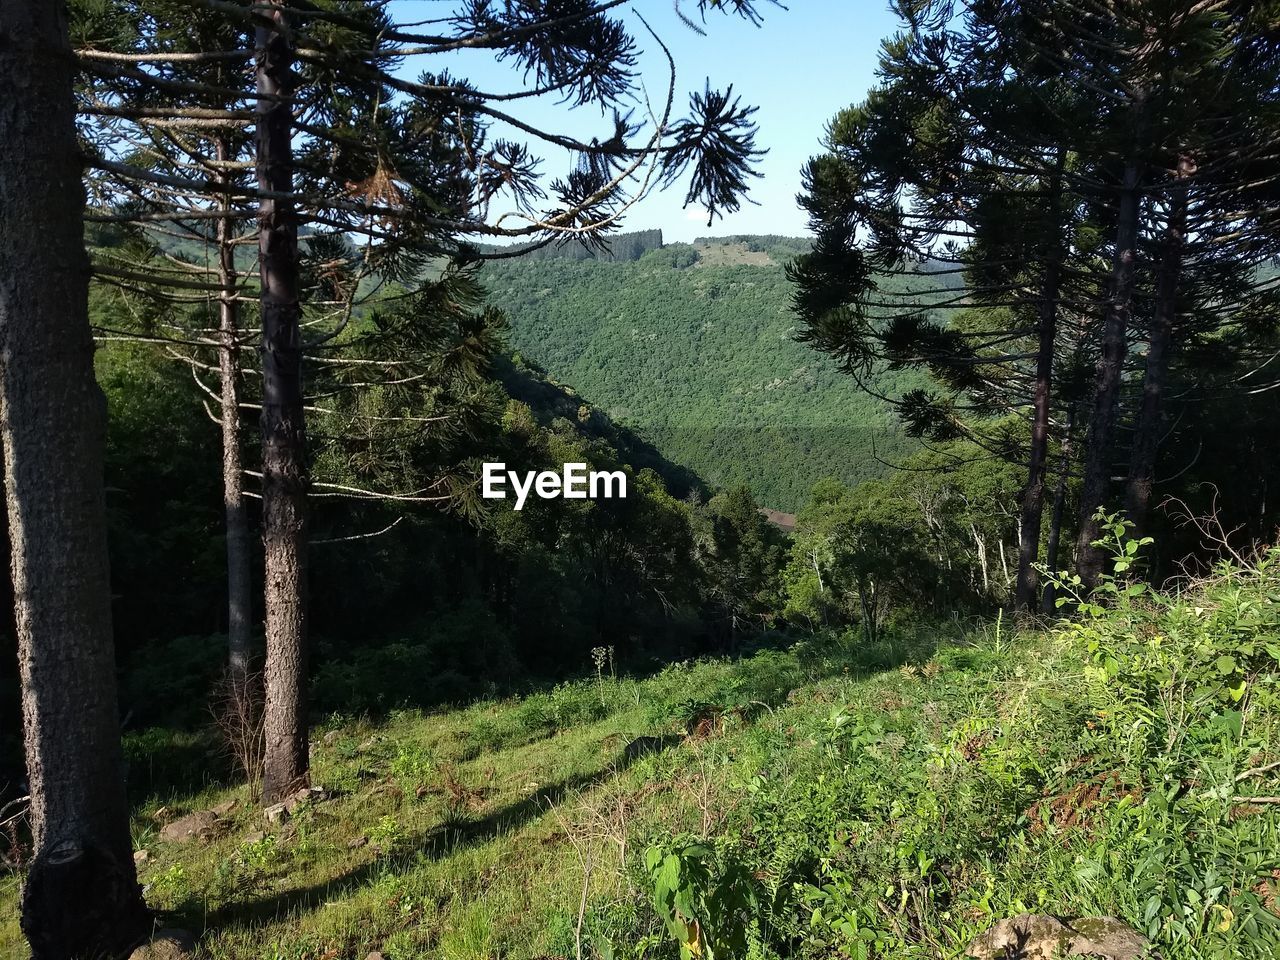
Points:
point(459, 656)
point(1125, 765)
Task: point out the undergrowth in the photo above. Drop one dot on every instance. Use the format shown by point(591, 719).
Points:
point(822, 799)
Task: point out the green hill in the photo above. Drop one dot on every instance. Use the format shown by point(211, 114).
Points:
point(694, 347)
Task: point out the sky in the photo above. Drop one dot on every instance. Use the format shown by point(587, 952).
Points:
point(805, 63)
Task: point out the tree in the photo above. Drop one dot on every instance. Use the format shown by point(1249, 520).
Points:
point(860, 549)
point(1050, 153)
point(172, 293)
point(955, 163)
point(81, 897)
point(742, 553)
point(347, 146)
point(1191, 90)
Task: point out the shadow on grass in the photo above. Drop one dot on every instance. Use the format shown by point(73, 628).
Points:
point(165, 762)
point(766, 681)
point(814, 660)
point(439, 842)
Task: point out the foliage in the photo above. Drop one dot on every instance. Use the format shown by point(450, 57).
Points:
point(699, 356)
point(1124, 779)
point(939, 535)
point(886, 800)
point(707, 905)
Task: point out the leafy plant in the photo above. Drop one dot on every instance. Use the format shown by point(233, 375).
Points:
point(708, 906)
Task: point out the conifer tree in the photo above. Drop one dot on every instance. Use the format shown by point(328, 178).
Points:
point(80, 897)
point(347, 147)
point(955, 160)
point(1037, 147)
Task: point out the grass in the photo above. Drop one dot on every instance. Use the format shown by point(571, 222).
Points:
point(453, 831)
point(831, 800)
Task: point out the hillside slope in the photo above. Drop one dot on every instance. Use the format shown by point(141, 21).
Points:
point(823, 798)
point(694, 346)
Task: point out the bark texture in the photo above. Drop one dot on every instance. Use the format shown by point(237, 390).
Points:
point(1150, 425)
point(239, 584)
point(284, 467)
point(1115, 345)
point(1028, 584)
point(81, 897)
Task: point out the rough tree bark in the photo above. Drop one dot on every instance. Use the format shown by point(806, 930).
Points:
point(239, 584)
point(81, 896)
point(1146, 440)
point(1028, 584)
point(1115, 344)
point(284, 467)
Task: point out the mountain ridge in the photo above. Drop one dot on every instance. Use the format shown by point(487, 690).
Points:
point(644, 323)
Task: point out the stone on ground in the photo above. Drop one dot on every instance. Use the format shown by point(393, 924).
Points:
point(1030, 936)
point(194, 826)
point(169, 944)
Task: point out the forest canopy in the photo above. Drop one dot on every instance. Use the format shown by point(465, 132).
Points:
point(939, 616)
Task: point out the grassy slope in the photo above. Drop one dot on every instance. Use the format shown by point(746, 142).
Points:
point(908, 806)
point(702, 359)
point(468, 813)
point(483, 863)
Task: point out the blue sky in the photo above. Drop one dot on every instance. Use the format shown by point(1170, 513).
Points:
point(805, 63)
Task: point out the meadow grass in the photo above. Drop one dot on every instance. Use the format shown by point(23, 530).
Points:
point(812, 798)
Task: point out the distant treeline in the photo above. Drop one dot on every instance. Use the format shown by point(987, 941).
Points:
point(699, 354)
point(622, 246)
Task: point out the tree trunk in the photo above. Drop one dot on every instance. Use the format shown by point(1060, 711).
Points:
point(284, 468)
point(1146, 441)
point(239, 581)
point(1048, 599)
point(813, 556)
point(980, 546)
point(1110, 368)
point(81, 896)
point(1028, 585)
point(867, 600)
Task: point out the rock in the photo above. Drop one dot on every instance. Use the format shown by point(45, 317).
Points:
point(276, 813)
point(166, 945)
point(303, 797)
point(256, 837)
point(1031, 936)
point(332, 737)
point(222, 809)
point(141, 856)
point(1107, 937)
point(194, 826)
point(1026, 935)
point(367, 745)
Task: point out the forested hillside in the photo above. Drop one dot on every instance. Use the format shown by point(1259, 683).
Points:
point(694, 346)
point(285, 287)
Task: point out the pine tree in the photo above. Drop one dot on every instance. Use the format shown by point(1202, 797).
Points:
point(81, 897)
point(1039, 148)
point(347, 147)
point(956, 160)
point(170, 141)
